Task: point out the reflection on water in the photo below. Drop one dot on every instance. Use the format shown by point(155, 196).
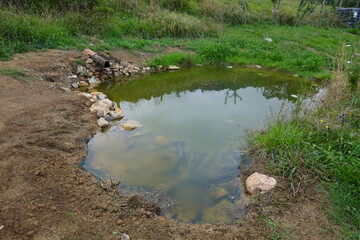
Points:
point(193, 121)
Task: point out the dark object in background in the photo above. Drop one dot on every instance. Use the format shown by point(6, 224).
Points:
point(349, 15)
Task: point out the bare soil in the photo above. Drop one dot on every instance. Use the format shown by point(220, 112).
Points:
point(44, 194)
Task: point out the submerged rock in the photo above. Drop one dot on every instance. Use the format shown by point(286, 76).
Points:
point(258, 181)
point(218, 193)
point(102, 122)
point(220, 213)
point(161, 140)
point(131, 125)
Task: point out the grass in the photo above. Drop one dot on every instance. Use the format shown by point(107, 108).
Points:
point(15, 73)
point(321, 146)
point(217, 31)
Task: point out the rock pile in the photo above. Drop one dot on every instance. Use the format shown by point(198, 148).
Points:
point(105, 109)
point(89, 73)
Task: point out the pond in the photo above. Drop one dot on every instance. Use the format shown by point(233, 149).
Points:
point(186, 155)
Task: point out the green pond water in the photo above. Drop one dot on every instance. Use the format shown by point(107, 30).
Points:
point(186, 156)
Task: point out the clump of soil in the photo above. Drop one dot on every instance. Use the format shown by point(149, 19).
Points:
point(44, 194)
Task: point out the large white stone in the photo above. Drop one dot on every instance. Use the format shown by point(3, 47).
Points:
point(258, 181)
point(173, 67)
point(101, 108)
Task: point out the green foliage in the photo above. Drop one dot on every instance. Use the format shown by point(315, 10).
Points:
point(216, 52)
point(175, 4)
point(175, 58)
point(19, 33)
point(306, 148)
point(353, 74)
point(41, 6)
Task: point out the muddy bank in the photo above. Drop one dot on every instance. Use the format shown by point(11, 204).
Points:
point(45, 195)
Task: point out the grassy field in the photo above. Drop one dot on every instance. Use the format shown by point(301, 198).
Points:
point(208, 28)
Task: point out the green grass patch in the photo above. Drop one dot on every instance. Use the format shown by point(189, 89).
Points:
point(176, 58)
point(15, 73)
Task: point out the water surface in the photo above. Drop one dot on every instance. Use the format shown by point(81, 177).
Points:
point(185, 157)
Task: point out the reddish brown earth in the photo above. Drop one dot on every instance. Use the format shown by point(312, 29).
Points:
point(44, 194)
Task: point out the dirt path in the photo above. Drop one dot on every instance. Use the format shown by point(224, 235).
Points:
point(44, 194)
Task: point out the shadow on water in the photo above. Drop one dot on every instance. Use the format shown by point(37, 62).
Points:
point(184, 158)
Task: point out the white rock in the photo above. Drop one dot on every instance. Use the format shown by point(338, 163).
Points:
point(65, 89)
point(125, 237)
point(173, 67)
point(75, 85)
point(1, 227)
point(268, 39)
point(74, 76)
point(229, 67)
point(86, 95)
point(294, 96)
point(101, 108)
point(258, 66)
point(131, 125)
point(94, 80)
point(116, 115)
point(80, 69)
point(102, 96)
point(102, 122)
point(258, 181)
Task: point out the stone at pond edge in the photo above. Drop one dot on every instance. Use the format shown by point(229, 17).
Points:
point(108, 118)
point(258, 181)
point(131, 125)
point(83, 84)
point(173, 67)
point(116, 115)
point(102, 122)
point(101, 108)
